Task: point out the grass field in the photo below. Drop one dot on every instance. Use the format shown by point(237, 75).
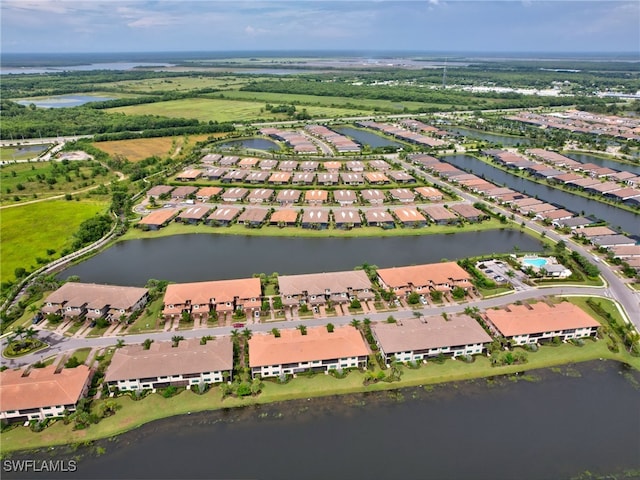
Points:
point(318, 100)
point(223, 110)
point(33, 180)
point(29, 230)
point(178, 84)
point(138, 149)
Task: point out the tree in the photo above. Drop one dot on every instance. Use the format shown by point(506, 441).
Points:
point(458, 293)
point(256, 386)
point(303, 329)
point(355, 323)
point(246, 333)
point(413, 298)
point(120, 343)
point(147, 344)
point(275, 332)
point(436, 295)
point(330, 327)
point(176, 340)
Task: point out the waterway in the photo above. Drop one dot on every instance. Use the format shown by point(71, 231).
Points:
point(549, 424)
point(490, 137)
point(366, 138)
point(604, 162)
point(81, 68)
point(252, 143)
point(62, 101)
point(199, 257)
point(628, 221)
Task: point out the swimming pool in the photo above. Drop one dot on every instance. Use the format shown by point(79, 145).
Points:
point(535, 262)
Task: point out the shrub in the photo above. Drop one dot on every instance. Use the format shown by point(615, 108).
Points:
point(170, 391)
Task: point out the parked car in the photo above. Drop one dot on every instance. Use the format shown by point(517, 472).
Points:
point(238, 325)
point(92, 324)
point(38, 316)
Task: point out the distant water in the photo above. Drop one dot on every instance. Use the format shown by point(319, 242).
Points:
point(79, 68)
point(60, 101)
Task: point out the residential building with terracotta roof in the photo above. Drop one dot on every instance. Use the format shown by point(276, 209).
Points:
point(90, 300)
point(410, 217)
point(159, 190)
point(249, 162)
point(41, 393)
point(424, 278)
point(221, 296)
point(158, 218)
point(205, 193)
point(280, 178)
point(189, 175)
point(189, 364)
point(468, 212)
point(284, 218)
point(211, 158)
point(332, 167)
point(440, 215)
point(379, 165)
point(320, 288)
point(429, 193)
point(355, 166)
point(216, 173)
point(417, 339)
point(401, 177)
point(268, 164)
point(288, 165)
point(183, 192)
point(376, 178)
point(228, 161)
point(318, 351)
point(316, 197)
point(539, 322)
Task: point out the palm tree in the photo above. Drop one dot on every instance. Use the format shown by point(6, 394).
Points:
point(120, 343)
point(176, 340)
point(246, 333)
point(29, 333)
point(235, 335)
point(355, 323)
point(303, 329)
point(275, 332)
point(417, 314)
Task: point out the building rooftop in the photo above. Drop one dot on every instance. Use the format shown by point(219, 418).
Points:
point(317, 344)
point(323, 283)
point(429, 332)
point(284, 216)
point(406, 215)
point(539, 318)
point(162, 359)
point(200, 293)
point(158, 217)
point(419, 275)
point(97, 296)
point(42, 387)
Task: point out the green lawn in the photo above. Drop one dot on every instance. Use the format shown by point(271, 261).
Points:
point(176, 228)
point(28, 181)
point(28, 231)
point(136, 413)
point(223, 110)
point(81, 354)
point(146, 322)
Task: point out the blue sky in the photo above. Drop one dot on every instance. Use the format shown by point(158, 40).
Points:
point(421, 25)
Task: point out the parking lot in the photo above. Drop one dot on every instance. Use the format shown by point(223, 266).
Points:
point(497, 270)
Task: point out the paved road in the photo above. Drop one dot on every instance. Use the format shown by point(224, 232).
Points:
point(59, 344)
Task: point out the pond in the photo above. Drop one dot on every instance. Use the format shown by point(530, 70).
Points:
point(555, 423)
point(628, 221)
point(490, 137)
point(603, 162)
point(366, 138)
point(199, 257)
point(62, 101)
point(251, 144)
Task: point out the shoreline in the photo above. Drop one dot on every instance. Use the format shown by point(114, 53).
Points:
point(134, 414)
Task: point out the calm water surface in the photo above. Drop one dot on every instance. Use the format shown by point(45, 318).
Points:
point(366, 138)
point(490, 137)
point(61, 101)
point(554, 425)
point(199, 257)
point(628, 221)
point(252, 143)
point(604, 162)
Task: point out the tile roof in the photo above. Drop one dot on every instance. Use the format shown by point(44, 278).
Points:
point(97, 296)
point(320, 283)
point(200, 293)
point(419, 275)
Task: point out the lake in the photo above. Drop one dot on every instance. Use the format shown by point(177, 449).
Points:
point(252, 143)
point(603, 162)
point(490, 137)
point(616, 217)
point(62, 101)
point(551, 424)
point(81, 68)
point(200, 257)
point(366, 138)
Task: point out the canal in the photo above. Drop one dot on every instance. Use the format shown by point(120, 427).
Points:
point(199, 257)
point(366, 138)
point(548, 424)
point(252, 144)
point(628, 221)
point(509, 141)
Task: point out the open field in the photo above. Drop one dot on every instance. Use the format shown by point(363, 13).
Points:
point(136, 413)
point(29, 231)
point(29, 181)
point(321, 100)
point(176, 228)
point(222, 110)
point(137, 149)
point(178, 83)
